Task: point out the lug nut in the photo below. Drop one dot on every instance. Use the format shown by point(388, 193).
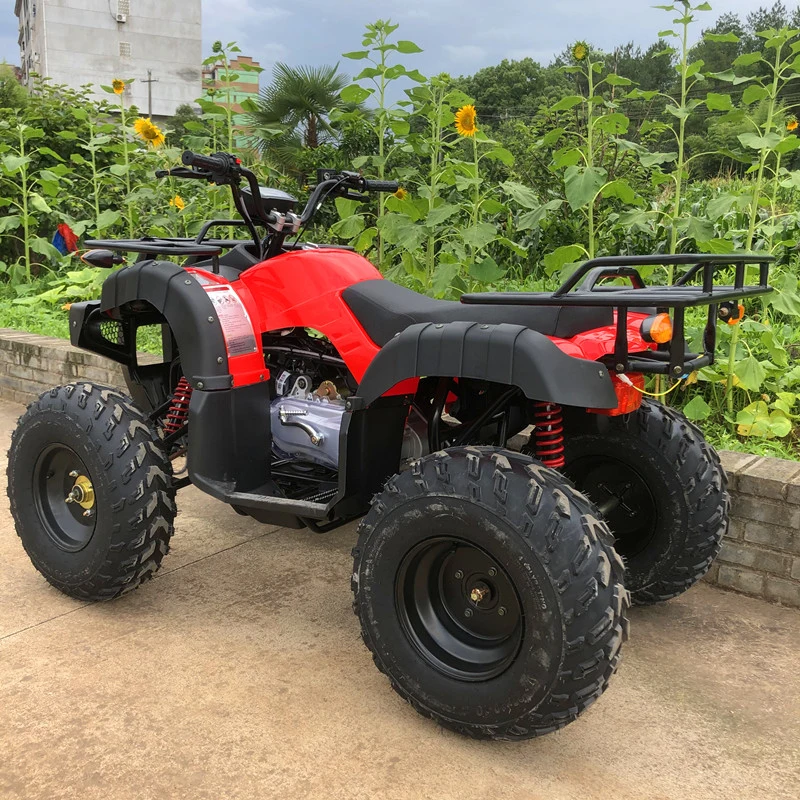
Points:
point(74, 473)
point(492, 572)
point(459, 575)
point(467, 612)
point(501, 611)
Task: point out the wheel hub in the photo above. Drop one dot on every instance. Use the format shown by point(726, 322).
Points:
point(82, 492)
point(459, 608)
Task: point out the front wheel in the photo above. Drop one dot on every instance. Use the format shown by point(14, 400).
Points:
point(662, 490)
point(489, 593)
point(90, 490)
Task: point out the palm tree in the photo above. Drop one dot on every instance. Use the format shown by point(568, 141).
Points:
point(293, 111)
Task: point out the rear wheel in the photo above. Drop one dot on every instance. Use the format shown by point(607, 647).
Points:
point(490, 594)
point(662, 490)
point(90, 491)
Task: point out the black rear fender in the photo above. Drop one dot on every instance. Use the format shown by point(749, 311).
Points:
point(510, 355)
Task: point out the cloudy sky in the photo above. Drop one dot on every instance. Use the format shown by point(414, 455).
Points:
point(458, 36)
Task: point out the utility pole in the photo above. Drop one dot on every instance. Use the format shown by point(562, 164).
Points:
point(150, 81)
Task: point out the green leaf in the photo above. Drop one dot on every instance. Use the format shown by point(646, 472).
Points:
point(612, 123)
point(567, 157)
point(400, 229)
point(349, 227)
point(13, 164)
point(492, 206)
point(531, 219)
point(560, 257)
point(721, 37)
point(355, 93)
point(787, 145)
point(69, 136)
point(718, 246)
point(650, 160)
point(700, 229)
point(436, 216)
point(500, 154)
point(747, 59)
point(719, 206)
point(486, 271)
point(754, 94)
point(365, 240)
point(719, 102)
point(39, 203)
point(750, 374)
point(46, 151)
point(786, 298)
point(697, 409)
point(406, 48)
point(617, 80)
point(478, 236)
point(521, 194)
point(119, 169)
point(693, 68)
point(443, 277)
point(10, 223)
point(356, 55)
point(620, 189)
point(44, 248)
point(582, 185)
point(566, 103)
point(107, 219)
point(756, 142)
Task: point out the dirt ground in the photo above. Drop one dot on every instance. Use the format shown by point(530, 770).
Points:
point(239, 673)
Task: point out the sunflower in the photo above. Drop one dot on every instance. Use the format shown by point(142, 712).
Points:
point(177, 202)
point(401, 193)
point(118, 86)
point(792, 125)
point(466, 119)
point(580, 51)
point(151, 133)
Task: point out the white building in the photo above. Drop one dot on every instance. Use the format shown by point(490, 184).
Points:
point(94, 41)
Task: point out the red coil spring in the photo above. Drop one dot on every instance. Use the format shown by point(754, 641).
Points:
point(178, 414)
point(548, 434)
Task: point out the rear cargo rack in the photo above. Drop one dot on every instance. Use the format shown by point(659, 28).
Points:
point(584, 288)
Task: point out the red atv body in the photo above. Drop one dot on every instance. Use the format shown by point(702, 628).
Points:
point(305, 390)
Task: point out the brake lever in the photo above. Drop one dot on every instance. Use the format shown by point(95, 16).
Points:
point(351, 195)
point(183, 172)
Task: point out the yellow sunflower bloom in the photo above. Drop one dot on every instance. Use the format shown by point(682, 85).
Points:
point(177, 202)
point(401, 194)
point(580, 51)
point(118, 86)
point(792, 125)
point(149, 132)
point(466, 121)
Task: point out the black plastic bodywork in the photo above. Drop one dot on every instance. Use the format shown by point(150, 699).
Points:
point(184, 305)
point(511, 355)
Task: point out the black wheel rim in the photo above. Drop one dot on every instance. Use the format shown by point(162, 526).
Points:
point(61, 474)
point(623, 498)
point(459, 608)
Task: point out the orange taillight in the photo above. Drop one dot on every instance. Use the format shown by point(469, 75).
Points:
point(657, 329)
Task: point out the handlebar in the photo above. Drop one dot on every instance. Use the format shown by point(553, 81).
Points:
point(219, 163)
point(390, 187)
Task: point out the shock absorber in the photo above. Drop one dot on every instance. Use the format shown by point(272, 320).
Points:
point(548, 434)
point(178, 414)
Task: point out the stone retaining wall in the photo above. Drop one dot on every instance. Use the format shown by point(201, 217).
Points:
point(760, 556)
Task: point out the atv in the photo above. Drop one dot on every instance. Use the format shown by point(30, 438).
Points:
point(517, 485)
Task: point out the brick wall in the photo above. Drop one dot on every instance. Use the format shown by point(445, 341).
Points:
point(760, 555)
point(30, 364)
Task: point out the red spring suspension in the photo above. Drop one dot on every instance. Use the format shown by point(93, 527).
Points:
point(548, 434)
point(178, 414)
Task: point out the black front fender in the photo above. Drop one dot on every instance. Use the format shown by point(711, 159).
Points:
point(511, 355)
point(180, 300)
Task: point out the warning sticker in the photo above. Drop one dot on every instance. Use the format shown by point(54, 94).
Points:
point(236, 325)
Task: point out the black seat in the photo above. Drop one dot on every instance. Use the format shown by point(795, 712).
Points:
point(383, 308)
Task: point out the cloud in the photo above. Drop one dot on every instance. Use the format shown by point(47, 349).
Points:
point(465, 53)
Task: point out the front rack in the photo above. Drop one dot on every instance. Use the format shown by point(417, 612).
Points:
point(584, 288)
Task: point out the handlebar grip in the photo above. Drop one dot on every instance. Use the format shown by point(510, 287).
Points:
point(208, 163)
point(381, 186)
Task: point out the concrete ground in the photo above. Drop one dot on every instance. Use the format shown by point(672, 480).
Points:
point(239, 673)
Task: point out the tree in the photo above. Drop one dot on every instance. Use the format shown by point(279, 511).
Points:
point(650, 69)
point(12, 94)
point(292, 113)
point(175, 125)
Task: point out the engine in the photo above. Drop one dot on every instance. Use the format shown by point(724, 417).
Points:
point(310, 385)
